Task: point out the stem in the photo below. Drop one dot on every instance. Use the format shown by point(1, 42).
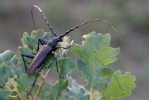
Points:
point(18, 95)
point(30, 97)
point(99, 98)
point(91, 94)
point(5, 85)
point(10, 79)
point(12, 96)
point(39, 85)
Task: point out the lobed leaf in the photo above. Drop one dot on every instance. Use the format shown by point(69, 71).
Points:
point(49, 92)
point(77, 91)
point(66, 66)
point(95, 77)
point(56, 91)
point(32, 41)
point(5, 73)
point(120, 86)
point(95, 54)
point(24, 82)
point(6, 56)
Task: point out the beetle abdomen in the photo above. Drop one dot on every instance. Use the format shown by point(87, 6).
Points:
point(39, 59)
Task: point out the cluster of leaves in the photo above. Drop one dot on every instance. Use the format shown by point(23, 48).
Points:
point(94, 55)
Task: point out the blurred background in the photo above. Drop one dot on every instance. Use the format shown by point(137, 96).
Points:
point(129, 17)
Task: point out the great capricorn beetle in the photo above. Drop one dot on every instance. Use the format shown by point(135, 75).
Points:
point(48, 48)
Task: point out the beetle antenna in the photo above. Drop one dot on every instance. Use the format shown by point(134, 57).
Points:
point(33, 17)
point(72, 29)
point(50, 27)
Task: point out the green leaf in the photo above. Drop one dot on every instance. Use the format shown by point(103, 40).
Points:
point(27, 51)
point(3, 94)
point(77, 91)
point(23, 50)
point(95, 78)
point(44, 93)
point(10, 70)
point(3, 75)
point(52, 92)
point(95, 50)
point(32, 41)
point(6, 72)
point(66, 66)
point(39, 34)
point(24, 39)
point(49, 92)
point(95, 54)
point(21, 69)
point(24, 82)
point(120, 86)
point(56, 91)
point(6, 56)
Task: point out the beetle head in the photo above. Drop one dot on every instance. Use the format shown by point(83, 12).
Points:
point(54, 41)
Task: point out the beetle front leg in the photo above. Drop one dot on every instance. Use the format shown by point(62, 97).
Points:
point(42, 41)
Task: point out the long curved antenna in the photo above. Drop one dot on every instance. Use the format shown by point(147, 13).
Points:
point(50, 27)
point(67, 32)
point(33, 17)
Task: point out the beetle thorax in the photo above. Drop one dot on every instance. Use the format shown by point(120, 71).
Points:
point(54, 42)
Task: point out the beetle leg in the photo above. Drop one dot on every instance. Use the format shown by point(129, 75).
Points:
point(28, 92)
point(38, 70)
point(42, 42)
point(28, 56)
point(57, 67)
point(63, 47)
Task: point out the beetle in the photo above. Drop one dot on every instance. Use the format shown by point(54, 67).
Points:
point(49, 47)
